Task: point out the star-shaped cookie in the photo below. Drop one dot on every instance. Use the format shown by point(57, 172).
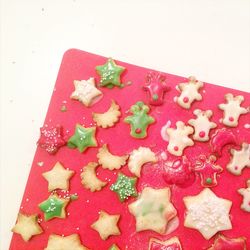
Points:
point(27, 226)
point(70, 242)
point(224, 243)
point(54, 207)
point(202, 125)
point(245, 192)
point(58, 177)
point(51, 138)
point(83, 138)
point(86, 92)
point(240, 159)
point(153, 210)
point(207, 170)
point(178, 138)
point(124, 187)
point(106, 225)
point(110, 74)
point(207, 213)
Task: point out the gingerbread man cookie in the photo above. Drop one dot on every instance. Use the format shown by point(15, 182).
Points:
point(240, 159)
point(232, 110)
point(189, 92)
point(202, 124)
point(178, 138)
point(245, 192)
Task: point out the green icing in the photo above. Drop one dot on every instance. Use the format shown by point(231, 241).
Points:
point(73, 197)
point(147, 208)
point(155, 97)
point(83, 138)
point(209, 181)
point(140, 120)
point(52, 207)
point(110, 74)
point(124, 187)
point(63, 108)
point(114, 247)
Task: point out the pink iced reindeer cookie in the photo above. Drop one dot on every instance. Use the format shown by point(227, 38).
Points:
point(245, 192)
point(232, 110)
point(189, 92)
point(240, 159)
point(202, 125)
point(178, 138)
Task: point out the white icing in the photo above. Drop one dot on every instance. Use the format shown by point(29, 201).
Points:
point(247, 126)
point(164, 134)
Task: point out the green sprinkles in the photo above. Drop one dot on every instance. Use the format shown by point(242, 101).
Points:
point(63, 108)
point(124, 187)
point(209, 181)
point(73, 197)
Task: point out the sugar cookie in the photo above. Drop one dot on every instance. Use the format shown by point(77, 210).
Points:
point(245, 192)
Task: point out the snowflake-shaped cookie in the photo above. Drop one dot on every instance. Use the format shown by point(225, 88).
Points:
point(245, 192)
point(202, 124)
point(232, 110)
point(178, 138)
point(189, 92)
point(240, 159)
point(86, 92)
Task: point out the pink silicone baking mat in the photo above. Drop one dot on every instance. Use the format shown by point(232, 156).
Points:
point(80, 65)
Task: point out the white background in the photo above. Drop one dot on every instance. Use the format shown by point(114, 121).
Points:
point(206, 38)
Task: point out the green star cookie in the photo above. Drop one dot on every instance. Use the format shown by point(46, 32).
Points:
point(124, 187)
point(110, 74)
point(140, 120)
point(54, 207)
point(83, 138)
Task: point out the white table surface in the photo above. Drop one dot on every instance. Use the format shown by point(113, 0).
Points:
point(209, 39)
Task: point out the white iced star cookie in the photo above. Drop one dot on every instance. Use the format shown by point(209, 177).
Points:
point(153, 210)
point(58, 242)
point(240, 159)
point(245, 192)
point(202, 125)
point(232, 110)
point(27, 226)
point(58, 177)
point(89, 179)
point(189, 92)
point(207, 213)
point(106, 225)
point(108, 118)
point(86, 92)
point(178, 138)
point(110, 161)
point(138, 158)
point(172, 243)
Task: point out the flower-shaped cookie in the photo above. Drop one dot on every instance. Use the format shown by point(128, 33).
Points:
point(232, 110)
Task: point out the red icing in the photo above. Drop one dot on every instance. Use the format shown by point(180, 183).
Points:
point(159, 246)
point(231, 119)
point(179, 173)
point(220, 139)
point(156, 87)
point(202, 134)
point(208, 170)
point(51, 139)
point(224, 243)
point(176, 148)
point(138, 131)
point(185, 99)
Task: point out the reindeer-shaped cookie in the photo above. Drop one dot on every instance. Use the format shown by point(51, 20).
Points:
point(202, 124)
point(189, 92)
point(245, 192)
point(232, 110)
point(240, 159)
point(178, 138)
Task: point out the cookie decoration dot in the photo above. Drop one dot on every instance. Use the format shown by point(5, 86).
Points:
point(156, 87)
point(51, 138)
point(110, 74)
point(189, 92)
point(54, 207)
point(140, 120)
point(124, 187)
point(207, 170)
point(83, 138)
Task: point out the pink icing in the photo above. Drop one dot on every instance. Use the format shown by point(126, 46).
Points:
point(186, 99)
point(223, 243)
point(179, 173)
point(202, 134)
point(220, 139)
point(156, 87)
point(159, 246)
